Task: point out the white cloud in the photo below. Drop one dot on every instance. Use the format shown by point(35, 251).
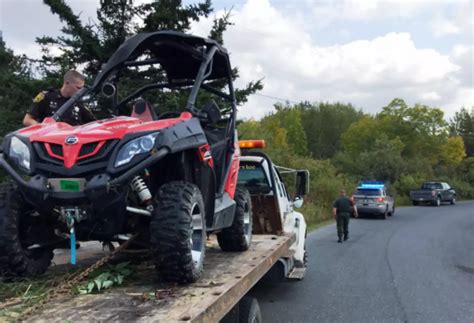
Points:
point(444, 17)
point(463, 55)
point(464, 98)
point(265, 43)
point(458, 20)
point(358, 10)
point(443, 27)
point(282, 47)
point(431, 96)
point(23, 20)
point(460, 50)
point(381, 8)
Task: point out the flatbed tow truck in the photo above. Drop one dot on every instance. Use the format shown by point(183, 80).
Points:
point(221, 293)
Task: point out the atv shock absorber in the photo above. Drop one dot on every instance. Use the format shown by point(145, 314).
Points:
point(139, 186)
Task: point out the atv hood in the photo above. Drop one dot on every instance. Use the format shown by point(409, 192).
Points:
point(73, 138)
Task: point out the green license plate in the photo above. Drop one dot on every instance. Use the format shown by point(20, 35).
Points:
point(69, 185)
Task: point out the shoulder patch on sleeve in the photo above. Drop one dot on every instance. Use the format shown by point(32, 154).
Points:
point(39, 97)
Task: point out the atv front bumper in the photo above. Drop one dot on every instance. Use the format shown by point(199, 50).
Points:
point(91, 188)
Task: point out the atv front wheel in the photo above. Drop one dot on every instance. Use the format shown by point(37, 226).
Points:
point(21, 232)
point(238, 236)
point(178, 232)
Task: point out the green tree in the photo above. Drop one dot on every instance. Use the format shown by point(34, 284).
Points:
point(453, 152)
point(290, 119)
point(383, 161)
point(324, 123)
point(421, 128)
point(361, 135)
point(462, 124)
point(16, 89)
point(466, 170)
point(270, 130)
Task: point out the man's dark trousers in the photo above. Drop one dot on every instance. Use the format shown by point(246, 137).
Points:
point(342, 220)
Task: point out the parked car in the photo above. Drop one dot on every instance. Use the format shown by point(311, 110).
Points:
point(434, 193)
point(372, 198)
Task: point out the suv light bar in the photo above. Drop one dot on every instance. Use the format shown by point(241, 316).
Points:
point(374, 186)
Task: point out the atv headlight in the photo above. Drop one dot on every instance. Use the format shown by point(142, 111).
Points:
point(19, 152)
point(135, 147)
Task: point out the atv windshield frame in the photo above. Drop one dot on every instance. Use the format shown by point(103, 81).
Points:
point(188, 61)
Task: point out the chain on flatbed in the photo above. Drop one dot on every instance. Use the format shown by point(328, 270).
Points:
point(67, 287)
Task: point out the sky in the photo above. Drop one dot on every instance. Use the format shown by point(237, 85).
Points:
point(363, 52)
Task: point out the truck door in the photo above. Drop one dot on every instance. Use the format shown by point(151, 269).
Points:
point(448, 193)
point(283, 198)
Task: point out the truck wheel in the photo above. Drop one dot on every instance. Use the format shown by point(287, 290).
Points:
point(305, 257)
point(453, 200)
point(238, 236)
point(393, 211)
point(276, 274)
point(415, 203)
point(384, 215)
point(178, 232)
point(437, 202)
point(18, 231)
point(249, 310)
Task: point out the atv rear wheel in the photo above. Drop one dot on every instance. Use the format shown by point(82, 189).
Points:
point(238, 236)
point(178, 232)
point(20, 229)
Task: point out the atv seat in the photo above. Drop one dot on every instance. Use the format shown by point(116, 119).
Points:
point(143, 111)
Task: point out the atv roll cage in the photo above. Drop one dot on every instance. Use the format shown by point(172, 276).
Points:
point(187, 61)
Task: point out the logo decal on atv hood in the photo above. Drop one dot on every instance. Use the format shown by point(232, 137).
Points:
point(71, 140)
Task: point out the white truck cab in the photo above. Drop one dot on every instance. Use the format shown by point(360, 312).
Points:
point(273, 206)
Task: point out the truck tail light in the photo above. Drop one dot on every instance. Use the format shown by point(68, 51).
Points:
point(433, 193)
point(380, 200)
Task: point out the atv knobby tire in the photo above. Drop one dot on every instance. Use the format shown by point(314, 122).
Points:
point(15, 259)
point(238, 236)
point(176, 235)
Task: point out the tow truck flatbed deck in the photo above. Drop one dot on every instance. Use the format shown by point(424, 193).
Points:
point(226, 278)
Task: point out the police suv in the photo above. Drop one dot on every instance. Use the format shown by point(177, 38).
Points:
point(372, 198)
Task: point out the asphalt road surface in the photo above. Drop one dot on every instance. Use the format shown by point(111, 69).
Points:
point(417, 266)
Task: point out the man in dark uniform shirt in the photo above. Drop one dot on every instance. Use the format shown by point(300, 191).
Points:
point(46, 103)
point(342, 208)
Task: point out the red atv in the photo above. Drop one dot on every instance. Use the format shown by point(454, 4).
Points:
point(167, 175)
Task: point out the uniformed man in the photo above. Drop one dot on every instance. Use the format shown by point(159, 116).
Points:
point(342, 209)
point(46, 103)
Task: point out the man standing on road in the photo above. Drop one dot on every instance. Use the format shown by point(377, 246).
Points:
point(46, 103)
point(342, 209)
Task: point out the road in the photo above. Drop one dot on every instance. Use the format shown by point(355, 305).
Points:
point(417, 266)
